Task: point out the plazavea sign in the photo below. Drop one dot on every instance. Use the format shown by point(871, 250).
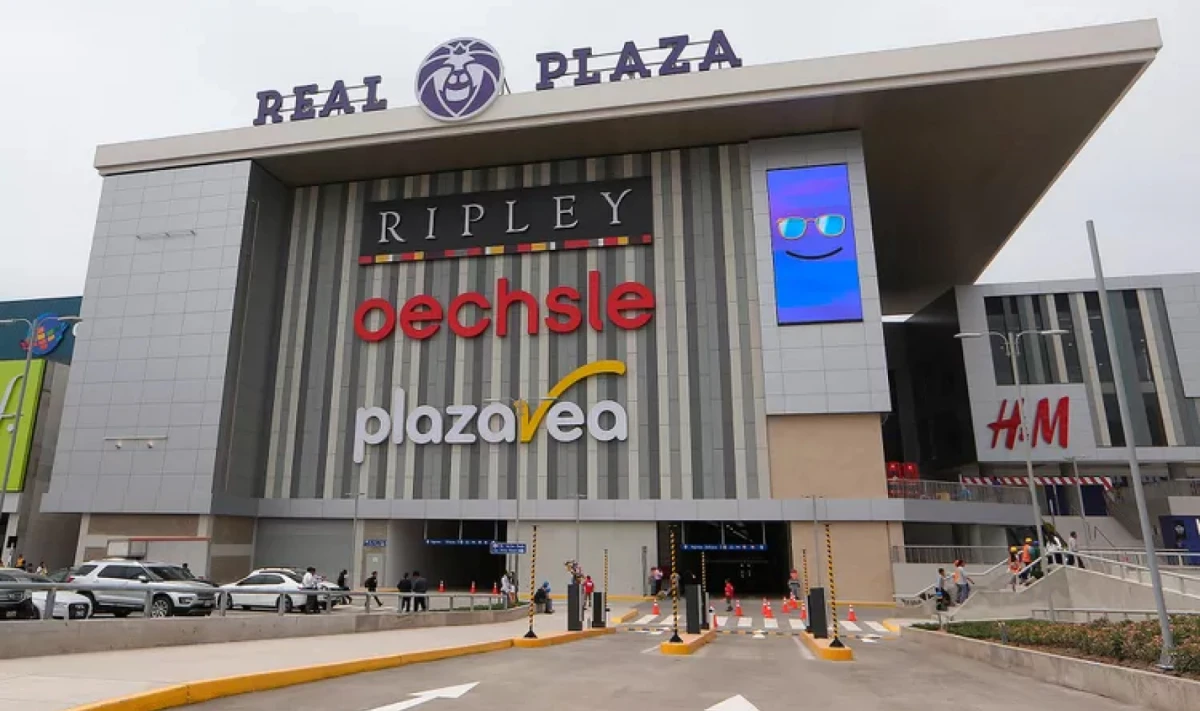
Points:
point(579, 216)
point(632, 61)
point(495, 423)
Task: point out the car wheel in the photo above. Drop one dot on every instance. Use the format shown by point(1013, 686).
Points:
point(121, 614)
point(28, 611)
point(287, 603)
point(161, 607)
point(246, 608)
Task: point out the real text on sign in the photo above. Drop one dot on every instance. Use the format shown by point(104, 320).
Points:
point(1047, 424)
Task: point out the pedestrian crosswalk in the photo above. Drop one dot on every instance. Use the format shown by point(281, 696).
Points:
point(755, 625)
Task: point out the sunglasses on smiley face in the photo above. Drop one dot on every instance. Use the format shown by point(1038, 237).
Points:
point(796, 227)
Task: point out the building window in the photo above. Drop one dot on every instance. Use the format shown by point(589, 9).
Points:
point(1112, 413)
point(1158, 432)
point(996, 321)
point(1062, 305)
point(1099, 344)
point(1137, 336)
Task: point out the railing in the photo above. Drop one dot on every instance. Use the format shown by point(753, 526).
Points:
point(1170, 558)
point(1089, 613)
point(150, 591)
point(946, 555)
point(1171, 580)
point(953, 491)
point(987, 580)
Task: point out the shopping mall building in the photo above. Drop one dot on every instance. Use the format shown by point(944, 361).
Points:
point(376, 337)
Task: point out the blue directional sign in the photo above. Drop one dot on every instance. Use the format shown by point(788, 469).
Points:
point(456, 542)
point(724, 547)
point(374, 543)
point(499, 548)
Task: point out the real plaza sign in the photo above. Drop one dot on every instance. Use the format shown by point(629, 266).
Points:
point(460, 78)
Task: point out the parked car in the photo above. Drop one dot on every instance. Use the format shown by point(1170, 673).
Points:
point(244, 593)
point(16, 603)
point(132, 576)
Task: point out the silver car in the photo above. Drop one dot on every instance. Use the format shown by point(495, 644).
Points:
point(130, 578)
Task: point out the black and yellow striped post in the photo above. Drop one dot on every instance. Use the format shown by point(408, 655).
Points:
point(804, 560)
point(832, 591)
point(606, 607)
point(675, 638)
point(532, 583)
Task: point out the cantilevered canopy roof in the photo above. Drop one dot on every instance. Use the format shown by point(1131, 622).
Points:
point(961, 139)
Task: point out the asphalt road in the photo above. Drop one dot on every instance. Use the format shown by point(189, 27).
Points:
point(625, 671)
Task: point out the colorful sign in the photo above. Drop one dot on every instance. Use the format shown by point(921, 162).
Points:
point(628, 306)
point(609, 213)
point(813, 246)
point(459, 79)
point(11, 373)
point(495, 423)
point(49, 334)
point(1048, 425)
point(631, 62)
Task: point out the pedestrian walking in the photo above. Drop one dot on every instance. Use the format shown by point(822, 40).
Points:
point(405, 586)
point(372, 585)
point(728, 595)
point(41, 569)
point(589, 587)
point(420, 587)
point(20, 561)
point(341, 580)
point(939, 591)
point(795, 589)
point(963, 581)
point(1026, 559)
point(1073, 548)
point(309, 582)
point(658, 576)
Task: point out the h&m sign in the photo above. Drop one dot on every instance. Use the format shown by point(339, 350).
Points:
point(605, 213)
point(631, 62)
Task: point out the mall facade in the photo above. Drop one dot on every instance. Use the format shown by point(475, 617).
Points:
point(629, 303)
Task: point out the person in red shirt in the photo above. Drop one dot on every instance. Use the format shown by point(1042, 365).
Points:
point(589, 587)
point(728, 595)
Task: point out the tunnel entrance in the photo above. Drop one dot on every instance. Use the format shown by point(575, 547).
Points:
point(459, 553)
point(754, 555)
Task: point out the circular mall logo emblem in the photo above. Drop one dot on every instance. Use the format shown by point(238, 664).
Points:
point(459, 79)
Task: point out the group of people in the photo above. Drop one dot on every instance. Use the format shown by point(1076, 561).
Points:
point(21, 564)
point(962, 586)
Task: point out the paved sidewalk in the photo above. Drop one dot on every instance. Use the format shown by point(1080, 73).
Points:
point(66, 681)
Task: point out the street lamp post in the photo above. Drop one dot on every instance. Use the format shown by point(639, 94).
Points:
point(1012, 344)
point(12, 449)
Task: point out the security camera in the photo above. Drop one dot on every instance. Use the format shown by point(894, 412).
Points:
point(150, 444)
point(119, 445)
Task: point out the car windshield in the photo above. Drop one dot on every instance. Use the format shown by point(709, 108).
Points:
point(290, 574)
point(170, 572)
point(18, 576)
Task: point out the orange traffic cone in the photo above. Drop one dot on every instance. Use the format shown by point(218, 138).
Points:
point(852, 617)
point(713, 617)
point(803, 612)
point(764, 607)
point(472, 587)
point(441, 586)
point(737, 609)
point(785, 606)
point(654, 610)
point(767, 614)
point(495, 589)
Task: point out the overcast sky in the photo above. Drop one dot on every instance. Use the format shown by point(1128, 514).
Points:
point(78, 73)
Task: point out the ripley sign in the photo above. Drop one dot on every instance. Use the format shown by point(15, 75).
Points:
point(495, 423)
point(578, 216)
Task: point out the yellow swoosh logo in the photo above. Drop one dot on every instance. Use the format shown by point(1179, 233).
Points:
point(529, 425)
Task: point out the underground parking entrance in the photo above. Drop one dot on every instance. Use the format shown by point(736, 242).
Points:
point(455, 552)
point(754, 555)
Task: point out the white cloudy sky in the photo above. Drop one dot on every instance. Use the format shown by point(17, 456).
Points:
point(78, 73)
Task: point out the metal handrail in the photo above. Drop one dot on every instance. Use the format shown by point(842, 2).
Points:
point(1182, 581)
point(1090, 612)
point(955, 491)
point(321, 594)
point(1172, 557)
point(971, 555)
point(928, 590)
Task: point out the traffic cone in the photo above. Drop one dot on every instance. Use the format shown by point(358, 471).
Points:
point(785, 606)
point(767, 614)
point(472, 587)
point(803, 613)
point(495, 589)
point(852, 617)
point(654, 610)
point(764, 607)
point(441, 586)
point(737, 609)
point(712, 616)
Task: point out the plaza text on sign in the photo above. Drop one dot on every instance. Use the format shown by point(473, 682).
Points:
point(1048, 423)
point(495, 423)
point(545, 218)
point(632, 64)
point(628, 306)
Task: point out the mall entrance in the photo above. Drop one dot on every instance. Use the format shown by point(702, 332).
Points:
point(754, 555)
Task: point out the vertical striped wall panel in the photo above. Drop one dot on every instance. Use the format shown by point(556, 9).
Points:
point(690, 385)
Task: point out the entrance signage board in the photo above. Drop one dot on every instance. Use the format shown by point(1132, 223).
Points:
point(604, 213)
point(508, 548)
point(632, 63)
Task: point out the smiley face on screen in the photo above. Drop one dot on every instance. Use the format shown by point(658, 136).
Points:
point(812, 245)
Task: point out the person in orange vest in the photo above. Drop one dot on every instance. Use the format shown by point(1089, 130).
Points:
point(1026, 559)
point(728, 595)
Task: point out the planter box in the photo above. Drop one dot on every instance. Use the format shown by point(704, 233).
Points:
point(1131, 686)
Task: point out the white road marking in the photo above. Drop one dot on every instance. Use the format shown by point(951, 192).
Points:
point(877, 627)
point(850, 626)
point(804, 651)
point(720, 621)
point(734, 703)
point(651, 649)
point(744, 623)
point(420, 697)
point(645, 620)
point(771, 624)
point(656, 633)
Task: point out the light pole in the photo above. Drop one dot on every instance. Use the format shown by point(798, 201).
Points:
point(1167, 659)
point(1087, 535)
point(355, 546)
point(12, 448)
point(1012, 344)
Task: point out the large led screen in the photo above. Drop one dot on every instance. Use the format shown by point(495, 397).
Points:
point(812, 245)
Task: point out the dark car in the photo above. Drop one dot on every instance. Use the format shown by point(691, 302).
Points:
point(16, 603)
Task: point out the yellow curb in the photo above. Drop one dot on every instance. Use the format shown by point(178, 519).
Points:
point(689, 645)
point(891, 626)
point(625, 617)
point(863, 603)
point(552, 638)
point(199, 691)
point(821, 648)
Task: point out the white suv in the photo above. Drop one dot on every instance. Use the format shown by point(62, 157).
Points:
point(130, 578)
